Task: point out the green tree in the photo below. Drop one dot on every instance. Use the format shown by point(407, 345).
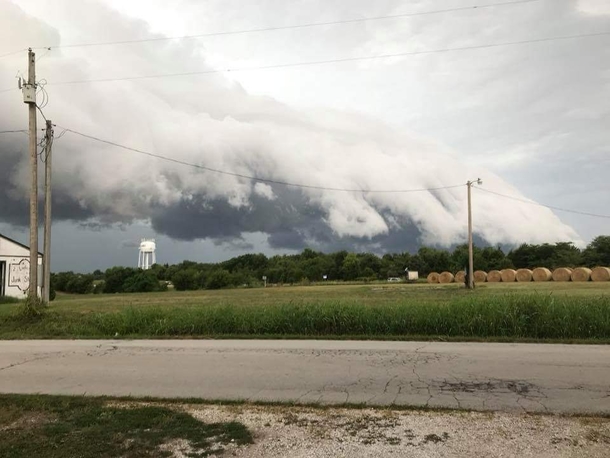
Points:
point(597, 252)
point(80, 284)
point(369, 273)
point(219, 279)
point(372, 262)
point(351, 267)
point(61, 279)
point(187, 279)
point(143, 281)
point(565, 255)
point(115, 278)
point(562, 254)
point(494, 259)
point(433, 260)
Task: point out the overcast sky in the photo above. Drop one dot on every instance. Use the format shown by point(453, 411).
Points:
point(531, 120)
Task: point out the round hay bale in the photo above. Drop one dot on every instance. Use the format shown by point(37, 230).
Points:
point(480, 276)
point(508, 275)
point(494, 276)
point(460, 276)
point(446, 277)
point(562, 274)
point(581, 274)
point(600, 274)
point(542, 274)
point(524, 275)
point(433, 277)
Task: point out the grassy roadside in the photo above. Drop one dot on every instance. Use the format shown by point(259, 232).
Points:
point(506, 317)
point(56, 426)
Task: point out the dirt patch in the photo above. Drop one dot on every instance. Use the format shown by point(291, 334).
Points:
point(301, 432)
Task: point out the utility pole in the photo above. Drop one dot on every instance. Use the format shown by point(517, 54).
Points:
point(47, 212)
point(470, 247)
point(29, 97)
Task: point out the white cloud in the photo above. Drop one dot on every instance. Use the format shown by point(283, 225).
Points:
point(264, 190)
point(594, 7)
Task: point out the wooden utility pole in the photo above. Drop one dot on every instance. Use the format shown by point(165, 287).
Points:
point(470, 247)
point(47, 212)
point(30, 98)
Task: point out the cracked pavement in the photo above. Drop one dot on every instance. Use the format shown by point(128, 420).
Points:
point(567, 379)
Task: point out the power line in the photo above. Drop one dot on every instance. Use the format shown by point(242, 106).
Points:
point(12, 53)
point(253, 178)
point(13, 131)
point(288, 27)
point(332, 61)
point(542, 205)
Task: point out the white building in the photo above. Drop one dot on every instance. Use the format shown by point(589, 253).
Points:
point(15, 268)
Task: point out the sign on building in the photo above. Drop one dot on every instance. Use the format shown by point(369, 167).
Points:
point(19, 275)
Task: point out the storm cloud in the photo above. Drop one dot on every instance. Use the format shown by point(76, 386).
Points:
point(213, 121)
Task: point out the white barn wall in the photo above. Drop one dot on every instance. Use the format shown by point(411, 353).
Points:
point(13, 253)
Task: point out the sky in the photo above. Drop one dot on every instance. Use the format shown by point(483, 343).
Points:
point(529, 119)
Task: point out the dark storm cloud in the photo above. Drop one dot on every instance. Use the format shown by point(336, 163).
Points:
point(199, 217)
point(14, 201)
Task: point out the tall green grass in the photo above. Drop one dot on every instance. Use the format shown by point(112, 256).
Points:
point(499, 317)
point(9, 300)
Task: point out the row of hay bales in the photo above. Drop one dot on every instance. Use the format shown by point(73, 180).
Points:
point(539, 274)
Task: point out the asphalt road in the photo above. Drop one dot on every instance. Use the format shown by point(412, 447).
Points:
point(481, 376)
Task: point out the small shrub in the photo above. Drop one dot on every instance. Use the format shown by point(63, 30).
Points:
point(33, 308)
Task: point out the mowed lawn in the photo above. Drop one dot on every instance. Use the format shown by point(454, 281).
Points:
point(371, 294)
point(566, 312)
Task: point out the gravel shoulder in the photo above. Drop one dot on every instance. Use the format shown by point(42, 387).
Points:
point(300, 432)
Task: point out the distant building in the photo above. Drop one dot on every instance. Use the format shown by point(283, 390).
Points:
point(15, 268)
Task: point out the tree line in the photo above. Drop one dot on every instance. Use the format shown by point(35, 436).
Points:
point(312, 266)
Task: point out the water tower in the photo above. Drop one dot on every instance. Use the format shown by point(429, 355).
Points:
point(147, 256)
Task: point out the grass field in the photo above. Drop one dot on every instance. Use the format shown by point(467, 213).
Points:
point(529, 311)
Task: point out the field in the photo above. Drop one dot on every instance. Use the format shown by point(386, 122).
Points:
point(502, 312)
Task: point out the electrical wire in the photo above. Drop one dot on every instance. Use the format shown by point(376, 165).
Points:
point(13, 131)
point(12, 53)
point(43, 145)
point(253, 178)
point(596, 215)
point(63, 132)
point(287, 27)
point(332, 61)
point(47, 49)
point(45, 95)
point(41, 112)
